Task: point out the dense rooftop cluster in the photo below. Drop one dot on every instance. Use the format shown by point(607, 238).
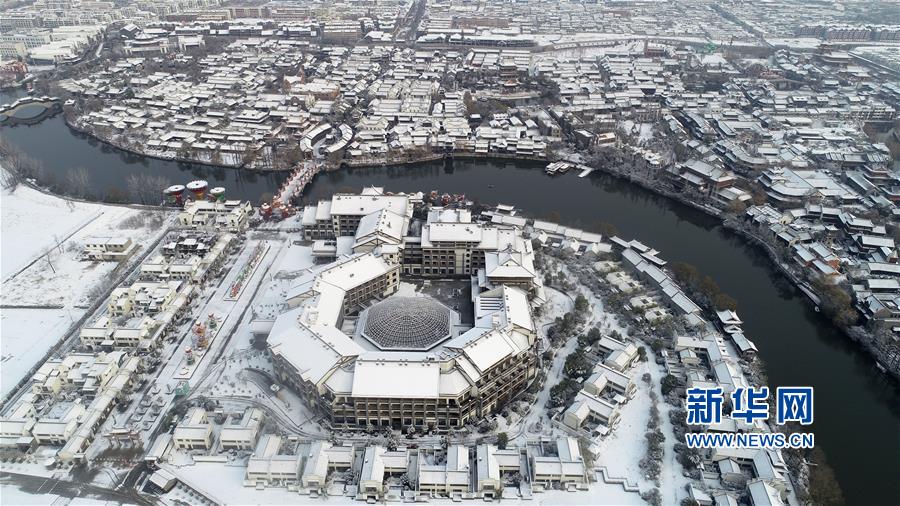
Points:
point(778, 117)
point(726, 105)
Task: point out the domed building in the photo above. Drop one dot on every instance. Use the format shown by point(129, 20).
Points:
point(405, 367)
point(406, 323)
point(360, 355)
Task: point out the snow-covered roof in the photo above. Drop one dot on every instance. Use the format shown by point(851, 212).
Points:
point(382, 375)
point(384, 223)
point(313, 350)
point(361, 205)
point(451, 232)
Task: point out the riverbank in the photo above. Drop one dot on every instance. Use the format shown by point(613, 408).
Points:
point(357, 162)
point(157, 156)
point(860, 335)
point(857, 334)
point(433, 158)
point(798, 345)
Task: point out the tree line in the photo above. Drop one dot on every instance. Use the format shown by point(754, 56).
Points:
point(702, 288)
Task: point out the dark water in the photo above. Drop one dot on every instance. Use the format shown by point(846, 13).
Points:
point(60, 149)
point(857, 409)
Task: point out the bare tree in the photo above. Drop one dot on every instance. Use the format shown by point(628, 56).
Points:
point(79, 181)
point(146, 188)
point(154, 187)
point(47, 252)
point(134, 183)
point(249, 156)
point(9, 180)
point(11, 159)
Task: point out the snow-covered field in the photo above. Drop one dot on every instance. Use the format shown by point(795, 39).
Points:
point(61, 276)
point(27, 334)
point(69, 285)
point(52, 231)
point(34, 219)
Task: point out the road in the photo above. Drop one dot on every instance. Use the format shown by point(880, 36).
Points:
point(410, 24)
point(41, 486)
point(230, 314)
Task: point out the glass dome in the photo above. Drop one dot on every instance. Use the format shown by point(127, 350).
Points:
point(406, 323)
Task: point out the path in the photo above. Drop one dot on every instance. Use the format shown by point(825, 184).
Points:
point(538, 411)
point(671, 479)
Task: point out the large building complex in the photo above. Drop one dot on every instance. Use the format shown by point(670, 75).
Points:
point(409, 362)
point(448, 243)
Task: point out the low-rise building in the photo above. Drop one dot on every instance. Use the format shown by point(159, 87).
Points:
point(230, 215)
point(591, 414)
point(268, 467)
point(561, 468)
point(242, 435)
point(450, 478)
point(109, 249)
point(194, 432)
point(491, 464)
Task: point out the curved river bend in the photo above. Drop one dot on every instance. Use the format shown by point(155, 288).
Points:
point(857, 408)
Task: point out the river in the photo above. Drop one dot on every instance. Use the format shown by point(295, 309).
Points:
point(857, 408)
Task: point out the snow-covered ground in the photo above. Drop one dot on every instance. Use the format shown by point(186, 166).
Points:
point(50, 492)
point(291, 263)
point(54, 291)
point(643, 131)
point(623, 449)
point(713, 60)
point(27, 334)
point(12, 494)
point(34, 219)
point(621, 452)
point(599, 494)
point(795, 43)
point(60, 274)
